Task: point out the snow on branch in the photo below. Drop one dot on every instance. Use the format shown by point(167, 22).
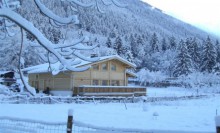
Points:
point(71, 44)
point(81, 4)
point(51, 15)
point(86, 58)
point(119, 4)
point(66, 51)
point(57, 53)
point(82, 47)
point(43, 41)
point(106, 3)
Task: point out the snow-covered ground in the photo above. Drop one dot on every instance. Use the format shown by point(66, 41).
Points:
point(170, 92)
point(185, 115)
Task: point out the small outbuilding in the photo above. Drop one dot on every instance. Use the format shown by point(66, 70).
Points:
point(7, 77)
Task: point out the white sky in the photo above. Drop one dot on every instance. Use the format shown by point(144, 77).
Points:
point(201, 13)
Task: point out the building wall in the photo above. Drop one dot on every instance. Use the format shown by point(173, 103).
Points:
point(62, 81)
point(87, 77)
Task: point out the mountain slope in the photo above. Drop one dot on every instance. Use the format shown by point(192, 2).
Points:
point(139, 18)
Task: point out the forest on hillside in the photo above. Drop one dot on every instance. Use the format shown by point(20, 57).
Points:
point(139, 33)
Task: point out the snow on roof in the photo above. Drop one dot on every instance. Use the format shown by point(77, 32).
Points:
point(43, 68)
point(3, 72)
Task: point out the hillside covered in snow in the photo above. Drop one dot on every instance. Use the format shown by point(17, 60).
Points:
point(137, 32)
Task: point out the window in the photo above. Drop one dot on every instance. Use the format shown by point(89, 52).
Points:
point(104, 67)
point(114, 83)
point(95, 82)
point(104, 82)
point(113, 67)
point(95, 67)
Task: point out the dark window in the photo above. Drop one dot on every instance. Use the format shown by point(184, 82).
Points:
point(113, 67)
point(95, 67)
point(114, 83)
point(104, 82)
point(104, 67)
point(95, 82)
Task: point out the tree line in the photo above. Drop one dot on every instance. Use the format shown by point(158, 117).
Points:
point(169, 55)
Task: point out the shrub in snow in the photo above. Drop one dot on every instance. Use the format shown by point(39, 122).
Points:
point(155, 115)
point(4, 90)
point(146, 76)
point(198, 79)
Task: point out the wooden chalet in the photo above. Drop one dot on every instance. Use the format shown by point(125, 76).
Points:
point(106, 77)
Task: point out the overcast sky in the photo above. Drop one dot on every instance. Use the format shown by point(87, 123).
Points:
point(201, 13)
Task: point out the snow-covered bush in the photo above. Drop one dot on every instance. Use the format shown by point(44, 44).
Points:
point(198, 79)
point(4, 90)
point(146, 77)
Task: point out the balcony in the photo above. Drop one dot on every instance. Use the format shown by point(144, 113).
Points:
point(126, 91)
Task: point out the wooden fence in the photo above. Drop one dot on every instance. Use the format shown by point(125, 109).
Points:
point(18, 125)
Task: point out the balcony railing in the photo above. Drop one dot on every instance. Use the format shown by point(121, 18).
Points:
point(86, 90)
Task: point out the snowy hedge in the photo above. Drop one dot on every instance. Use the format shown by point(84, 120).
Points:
point(198, 79)
point(4, 90)
point(146, 76)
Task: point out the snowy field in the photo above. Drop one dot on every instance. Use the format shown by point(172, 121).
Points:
point(186, 115)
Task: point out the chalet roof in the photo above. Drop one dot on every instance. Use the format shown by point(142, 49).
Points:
point(43, 68)
point(4, 72)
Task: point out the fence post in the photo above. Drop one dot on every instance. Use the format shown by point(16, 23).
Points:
point(70, 121)
point(217, 122)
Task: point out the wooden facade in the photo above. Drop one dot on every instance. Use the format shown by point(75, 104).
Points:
point(105, 74)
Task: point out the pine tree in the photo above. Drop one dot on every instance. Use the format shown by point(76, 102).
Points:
point(172, 43)
point(118, 46)
point(209, 56)
point(217, 45)
point(193, 51)
point(139, 47)
point(133, 47)
point(112, 34)
point(195, 54)
point(154, 43)
point(183, 61)
point(217, 66)
point(29, 36)
point(127, 54)
point(163, 45)
point(109, 43)
point(54, 35)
